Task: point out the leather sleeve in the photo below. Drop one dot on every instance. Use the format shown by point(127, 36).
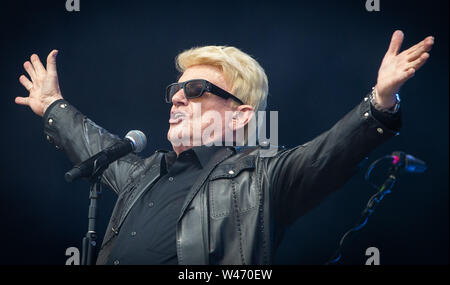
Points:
point(302, 177)
point(81, 138)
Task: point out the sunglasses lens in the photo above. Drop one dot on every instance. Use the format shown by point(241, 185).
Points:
point(171, 90)
point(194, 89)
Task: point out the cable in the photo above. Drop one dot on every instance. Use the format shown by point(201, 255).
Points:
point(370, 207)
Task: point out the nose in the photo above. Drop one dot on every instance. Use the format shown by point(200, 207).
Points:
point(179, 99)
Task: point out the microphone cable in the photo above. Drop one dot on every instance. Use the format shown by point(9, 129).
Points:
point(371, 204)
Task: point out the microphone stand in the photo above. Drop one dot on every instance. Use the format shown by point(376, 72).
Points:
point(134, 141)
point(90, 240)
point(370, 208)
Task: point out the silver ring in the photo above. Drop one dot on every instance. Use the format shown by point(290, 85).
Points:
point(30, 87)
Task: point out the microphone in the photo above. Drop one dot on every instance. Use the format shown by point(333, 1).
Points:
point(408, 162)
point(135, 141)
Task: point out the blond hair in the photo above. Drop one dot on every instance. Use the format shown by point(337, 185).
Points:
point(247, 78)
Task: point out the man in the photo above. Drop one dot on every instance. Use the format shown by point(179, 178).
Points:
point(219, 204)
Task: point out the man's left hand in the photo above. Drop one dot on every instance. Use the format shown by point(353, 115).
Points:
point(396, 68)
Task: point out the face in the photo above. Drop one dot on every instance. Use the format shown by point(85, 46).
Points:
point(189, 117)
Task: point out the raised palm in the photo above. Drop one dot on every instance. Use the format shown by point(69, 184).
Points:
point(44, 86)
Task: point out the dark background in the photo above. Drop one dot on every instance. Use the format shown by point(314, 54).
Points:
point(321, 58)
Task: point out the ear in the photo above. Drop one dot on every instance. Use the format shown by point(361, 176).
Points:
point(241, 117)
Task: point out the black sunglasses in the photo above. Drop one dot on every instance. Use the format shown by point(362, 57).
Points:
point(195, 88)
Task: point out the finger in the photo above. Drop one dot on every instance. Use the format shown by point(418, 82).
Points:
point(418, 63)
point(37, 64)
point(21, 101)
point(419, 45)
point(427, 45)
point(26, 82)
point(30, 70)
point(407, 75)
point(51, 62)
point(396, 42)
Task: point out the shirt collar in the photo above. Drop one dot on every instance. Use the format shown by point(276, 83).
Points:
point(202, 153)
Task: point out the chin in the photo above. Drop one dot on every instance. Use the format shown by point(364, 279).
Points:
point(176, 131)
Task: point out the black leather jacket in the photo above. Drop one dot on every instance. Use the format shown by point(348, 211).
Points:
point(237, 210)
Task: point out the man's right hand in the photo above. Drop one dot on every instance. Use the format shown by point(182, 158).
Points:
point(43, 87)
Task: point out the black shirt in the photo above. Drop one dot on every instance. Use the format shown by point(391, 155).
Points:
point(148, 234)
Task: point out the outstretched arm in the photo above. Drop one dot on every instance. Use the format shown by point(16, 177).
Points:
point(303, 176)
point(68, 128)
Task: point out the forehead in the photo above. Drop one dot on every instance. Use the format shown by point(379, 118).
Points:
point(208, 72)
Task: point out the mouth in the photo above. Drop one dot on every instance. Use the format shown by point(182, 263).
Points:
point(176, 117)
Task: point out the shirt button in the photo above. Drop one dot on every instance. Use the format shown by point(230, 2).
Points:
point(366, 115)
point(116, 262)
point(380, 130)
point(366, 98)
point(170, 178)
point(63, 106)
point(133, 234)
point(150, 204)
point(50, 121)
